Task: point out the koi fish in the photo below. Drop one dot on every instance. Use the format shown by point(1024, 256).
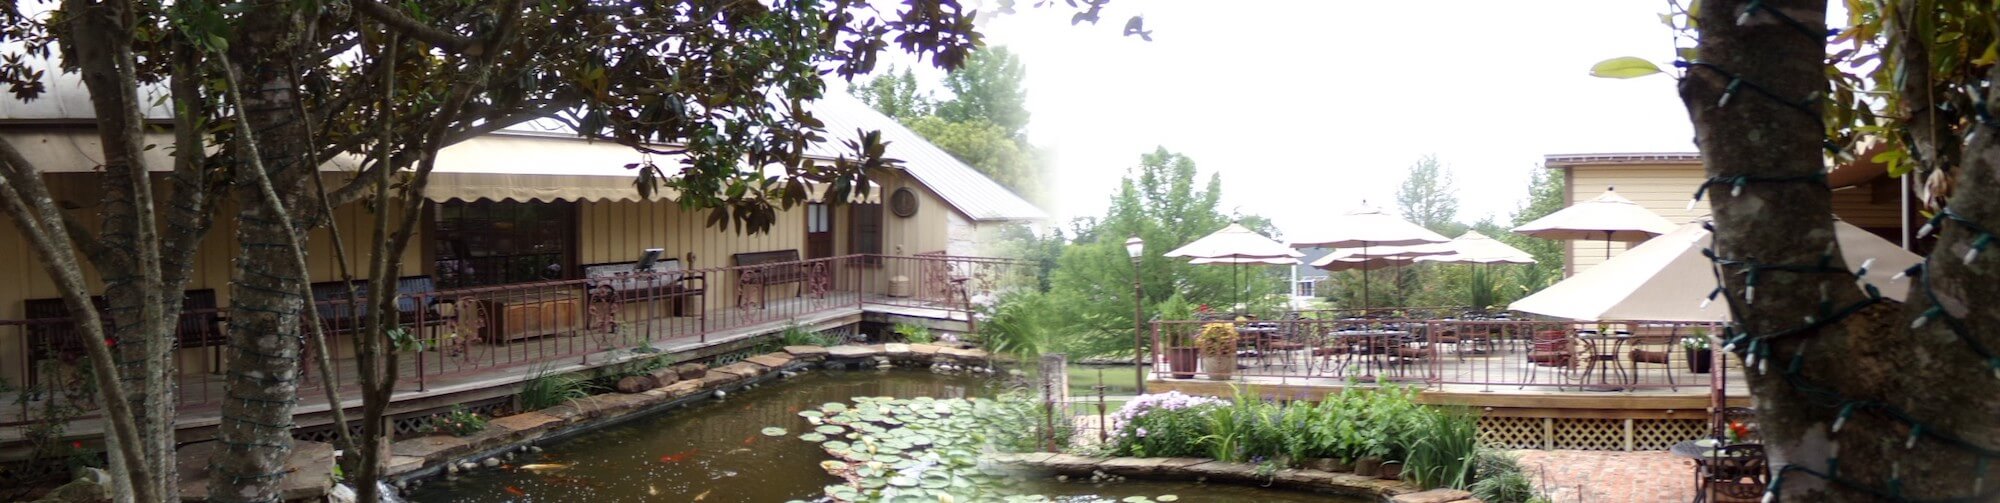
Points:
point(679, 456)
point(652, 491)
point(703, 495)
point(544, 466)
point(516, 491)
point(749, 440)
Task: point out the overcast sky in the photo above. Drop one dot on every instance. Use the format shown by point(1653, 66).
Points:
point(1308, 107)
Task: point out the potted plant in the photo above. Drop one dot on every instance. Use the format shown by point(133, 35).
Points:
point(1217, 342)
point(1182, 356)
point(1699, 358)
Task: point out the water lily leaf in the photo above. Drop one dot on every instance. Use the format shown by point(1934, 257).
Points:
point(774, 432)
point(813, 437)
point(1168, 498)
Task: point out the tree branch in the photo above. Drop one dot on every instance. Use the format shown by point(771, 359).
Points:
point(396, 21)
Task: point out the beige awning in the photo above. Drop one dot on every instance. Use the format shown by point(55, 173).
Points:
point(1667, 278)
point(1237, 244)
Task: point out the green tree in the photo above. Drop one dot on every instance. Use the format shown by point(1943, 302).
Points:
point(895, 95)
point(988, 87)
point(1545, 195)
point(1429, 198)
point(1164, 204)
point(986, 147)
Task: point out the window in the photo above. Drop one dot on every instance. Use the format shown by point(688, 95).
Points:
point(1305, 288)
point(865, 231)
point(492, 243)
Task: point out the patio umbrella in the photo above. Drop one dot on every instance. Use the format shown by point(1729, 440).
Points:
point(1666, 279)
point(1237, 245)
point(1365, 227)
point(1609, 217)
point(1369, 259)
point(1478, 250)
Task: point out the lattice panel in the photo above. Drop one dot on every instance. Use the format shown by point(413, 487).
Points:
point(1590, 434)
point(1510, 432)
point(324, 433)
point(1662, 434)
point(419, 423)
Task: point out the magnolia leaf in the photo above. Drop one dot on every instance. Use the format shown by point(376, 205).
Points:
point(1623, 68)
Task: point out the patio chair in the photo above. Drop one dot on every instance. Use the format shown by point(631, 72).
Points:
point(1737, 473)
point(1663, 356)
point(1550, 348)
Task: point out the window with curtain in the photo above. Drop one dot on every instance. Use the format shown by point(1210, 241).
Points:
point(493, 243)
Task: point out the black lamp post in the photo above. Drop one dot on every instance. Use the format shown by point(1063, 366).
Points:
point(1136, 248)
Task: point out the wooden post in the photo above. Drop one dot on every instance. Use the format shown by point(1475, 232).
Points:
point(1055, 393)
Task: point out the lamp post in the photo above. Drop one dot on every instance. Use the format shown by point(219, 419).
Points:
point(1136, 248)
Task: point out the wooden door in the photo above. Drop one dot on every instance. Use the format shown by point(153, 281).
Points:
point(819, 231)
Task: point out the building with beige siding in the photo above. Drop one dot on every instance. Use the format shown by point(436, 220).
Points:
point(1863, 194)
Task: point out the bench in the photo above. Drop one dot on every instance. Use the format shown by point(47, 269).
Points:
point(760, 270)
point(340, 314)
point(667, 280)
point(54, 336)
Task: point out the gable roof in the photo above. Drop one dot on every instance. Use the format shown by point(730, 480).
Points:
point(964, 188)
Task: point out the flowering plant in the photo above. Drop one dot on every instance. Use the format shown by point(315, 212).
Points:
point(1737, 432)
point(1161, 425)
point(1217, 339)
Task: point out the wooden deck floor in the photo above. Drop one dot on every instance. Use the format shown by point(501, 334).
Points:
point(490, 367)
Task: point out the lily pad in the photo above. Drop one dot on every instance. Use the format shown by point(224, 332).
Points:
point(774, 432)
point(813, 437)
point(828, 429)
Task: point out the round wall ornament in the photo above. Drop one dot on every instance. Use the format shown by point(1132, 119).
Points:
point(903, 202)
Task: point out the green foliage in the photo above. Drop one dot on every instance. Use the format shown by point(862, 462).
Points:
point(1624, 68)
point(545, 389)
point(795, 335)
point(914, 333)
point(1443, 448)
point(988, 88)
point(1429, 198)
point(1501, 479)
point(987, 147)
point(894, 94)
point(1021, 324)
point(458, 422)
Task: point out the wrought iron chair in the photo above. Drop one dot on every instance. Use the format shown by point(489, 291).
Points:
point(1736, 473)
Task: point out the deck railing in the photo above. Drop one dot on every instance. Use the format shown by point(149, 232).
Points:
point(456, 333)
point(1442, 352)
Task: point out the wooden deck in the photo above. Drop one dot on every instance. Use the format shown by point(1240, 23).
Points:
point(447, 378)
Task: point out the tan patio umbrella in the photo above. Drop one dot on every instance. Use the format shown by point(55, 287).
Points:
point(1237, 245)
point(1369, 259)
point(1365, 227)
point(1479, 250)
point(1668, 278)
point(1609, 217)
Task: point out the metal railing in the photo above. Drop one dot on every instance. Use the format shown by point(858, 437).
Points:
point(457, 334)
point(1445, 352)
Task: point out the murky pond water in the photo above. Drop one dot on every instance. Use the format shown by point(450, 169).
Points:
point(713, 452)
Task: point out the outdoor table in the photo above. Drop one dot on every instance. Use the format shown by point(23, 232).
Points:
point(1701, 454)
point(1597, 361)
point(1374, 343)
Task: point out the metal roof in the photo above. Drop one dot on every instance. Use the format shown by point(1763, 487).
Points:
point(972, 193)
point(1568, 160)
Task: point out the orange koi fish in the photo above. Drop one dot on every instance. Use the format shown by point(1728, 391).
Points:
point(679, 456)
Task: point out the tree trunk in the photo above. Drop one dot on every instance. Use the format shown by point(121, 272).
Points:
point(1816, 349)
point(265, 307)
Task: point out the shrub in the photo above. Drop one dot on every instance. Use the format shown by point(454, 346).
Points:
point(458, 423)
point(795, 335)
point(1169, 424)
point(544, 389)
point(1444, 448)
point(914, 333)
point(1501, 479)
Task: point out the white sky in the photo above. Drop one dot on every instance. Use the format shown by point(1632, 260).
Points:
point(1307, 107)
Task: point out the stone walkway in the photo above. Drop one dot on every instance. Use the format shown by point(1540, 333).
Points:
point(1595, 476)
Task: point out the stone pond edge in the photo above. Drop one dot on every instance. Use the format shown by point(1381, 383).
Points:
point(1222, 472)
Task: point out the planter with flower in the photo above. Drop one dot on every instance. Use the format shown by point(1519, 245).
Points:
point(1699, 358)
point(1175, 338)
point(1217, 342)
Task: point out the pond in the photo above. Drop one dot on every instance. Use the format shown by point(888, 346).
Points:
point(713, 452)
